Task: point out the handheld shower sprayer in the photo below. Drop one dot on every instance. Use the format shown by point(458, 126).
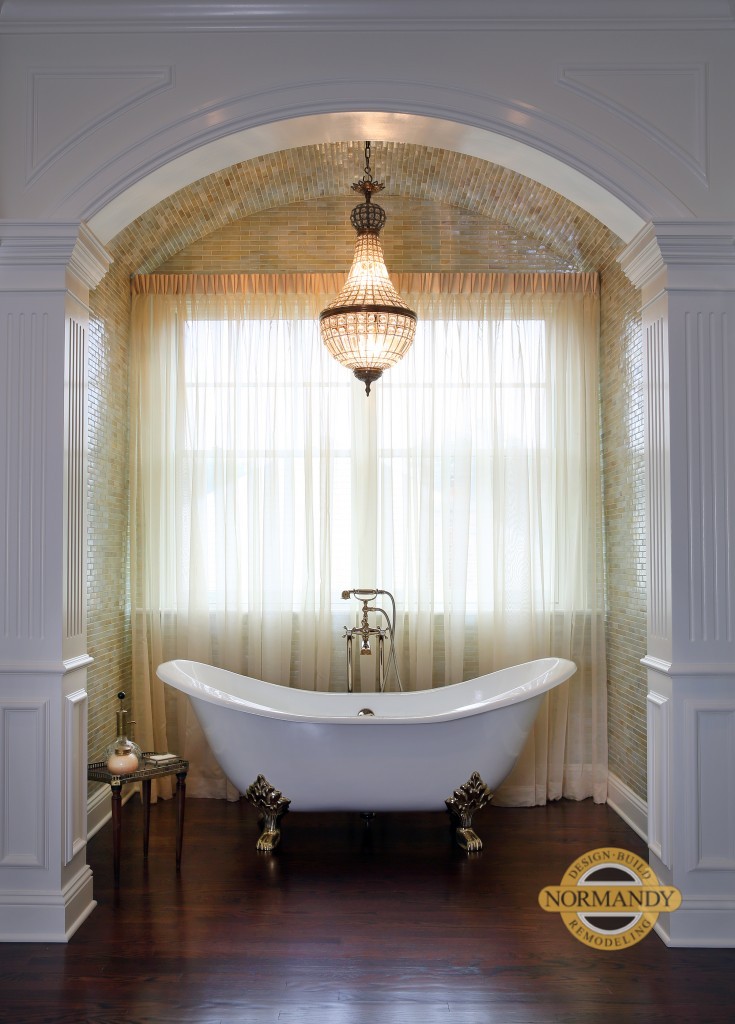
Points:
point(365, 631)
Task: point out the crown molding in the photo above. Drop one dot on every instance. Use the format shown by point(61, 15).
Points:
point(696, 254)
point(132, 16)
point(55, 244)
point(89, 259)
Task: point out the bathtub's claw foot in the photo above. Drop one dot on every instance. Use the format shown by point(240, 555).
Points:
point(268, 840)
point(466, 801)
point(273, 805)
point(469, 840)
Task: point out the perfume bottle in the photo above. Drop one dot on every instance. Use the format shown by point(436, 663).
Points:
point(123, 756)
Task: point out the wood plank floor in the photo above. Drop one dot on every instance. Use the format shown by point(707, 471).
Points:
point(352, 925)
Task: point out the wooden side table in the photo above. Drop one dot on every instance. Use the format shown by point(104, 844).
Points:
point(98, 772)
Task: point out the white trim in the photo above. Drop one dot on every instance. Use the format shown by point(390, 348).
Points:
point(683, 668)
point(486, 125)
point(46, 668)
point(135, 16)
point(53, 244)
point(75, 788)
point(700, 923)
point(74, 664)
point(628, 805)
point(38, 916)
point(25, 771)
point(696, 255)
point(544, 148)
point(658, 720)
point(585, 81)
point(709, 816)
point(37, 161)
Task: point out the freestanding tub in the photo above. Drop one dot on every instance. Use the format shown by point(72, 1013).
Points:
point(420, 750)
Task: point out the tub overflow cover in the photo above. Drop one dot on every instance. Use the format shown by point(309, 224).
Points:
point(365, 711)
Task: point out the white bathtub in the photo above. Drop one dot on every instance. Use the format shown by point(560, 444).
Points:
point(413, 753)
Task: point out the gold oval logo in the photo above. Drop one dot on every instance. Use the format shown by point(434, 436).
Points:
point(609, 898)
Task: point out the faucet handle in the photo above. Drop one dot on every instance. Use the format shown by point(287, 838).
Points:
point(345, 595)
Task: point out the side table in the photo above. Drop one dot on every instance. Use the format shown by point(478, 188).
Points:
point(98, 772)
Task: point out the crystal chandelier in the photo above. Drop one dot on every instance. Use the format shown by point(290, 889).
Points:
point(368, 327)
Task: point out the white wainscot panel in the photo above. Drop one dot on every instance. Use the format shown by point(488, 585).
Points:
point(659, 785)
point(710, 740)
point(75, 775)
point(66, 105)
point(666, 102)
point(24, 784)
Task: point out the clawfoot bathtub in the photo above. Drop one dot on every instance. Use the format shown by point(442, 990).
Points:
point(419, 750)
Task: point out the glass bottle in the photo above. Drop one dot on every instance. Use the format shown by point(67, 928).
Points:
point(124, 755)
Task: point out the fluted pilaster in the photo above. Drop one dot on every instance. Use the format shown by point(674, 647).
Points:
point(686, 273)
point(46, 271)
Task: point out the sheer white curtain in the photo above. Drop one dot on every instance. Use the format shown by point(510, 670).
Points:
point(264, 482)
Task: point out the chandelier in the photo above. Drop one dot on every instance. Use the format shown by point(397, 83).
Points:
point(368, 327)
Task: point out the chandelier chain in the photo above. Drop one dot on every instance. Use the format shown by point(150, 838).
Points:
point(367, 184)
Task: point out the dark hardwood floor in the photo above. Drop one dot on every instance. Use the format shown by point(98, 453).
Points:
point(352, 925)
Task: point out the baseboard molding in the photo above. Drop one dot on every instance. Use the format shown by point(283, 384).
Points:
point(700, 923)
point(628, 805)
point(47, 916)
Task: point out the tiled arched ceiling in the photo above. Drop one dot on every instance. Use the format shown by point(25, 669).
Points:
point(533, 214)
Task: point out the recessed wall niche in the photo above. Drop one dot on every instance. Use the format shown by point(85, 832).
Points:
point(289, 211)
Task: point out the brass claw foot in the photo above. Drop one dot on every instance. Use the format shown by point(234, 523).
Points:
point(273, 805)
point(466, 801)
point(268, 840)
point(468, 839)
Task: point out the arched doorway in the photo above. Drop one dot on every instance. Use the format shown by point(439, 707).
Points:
point(694, 695)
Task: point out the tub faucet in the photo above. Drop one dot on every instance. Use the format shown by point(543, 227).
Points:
point(365, 631)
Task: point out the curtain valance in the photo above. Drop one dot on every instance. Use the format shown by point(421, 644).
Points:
point(329, 284)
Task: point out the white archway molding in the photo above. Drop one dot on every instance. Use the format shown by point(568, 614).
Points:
point(610, 187)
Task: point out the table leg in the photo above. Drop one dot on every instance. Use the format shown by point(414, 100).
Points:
point(180, 805)
point(116, 830)
point(146, 794)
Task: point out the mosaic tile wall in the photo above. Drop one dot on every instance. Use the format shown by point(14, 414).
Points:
point(108, 612)
point(544, 220)
point(418, 235)
point(625, 546)
point(289, 211)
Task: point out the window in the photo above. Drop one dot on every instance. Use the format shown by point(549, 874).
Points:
point(470, 395)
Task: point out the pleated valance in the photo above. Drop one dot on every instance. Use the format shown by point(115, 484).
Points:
point(328, 284)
